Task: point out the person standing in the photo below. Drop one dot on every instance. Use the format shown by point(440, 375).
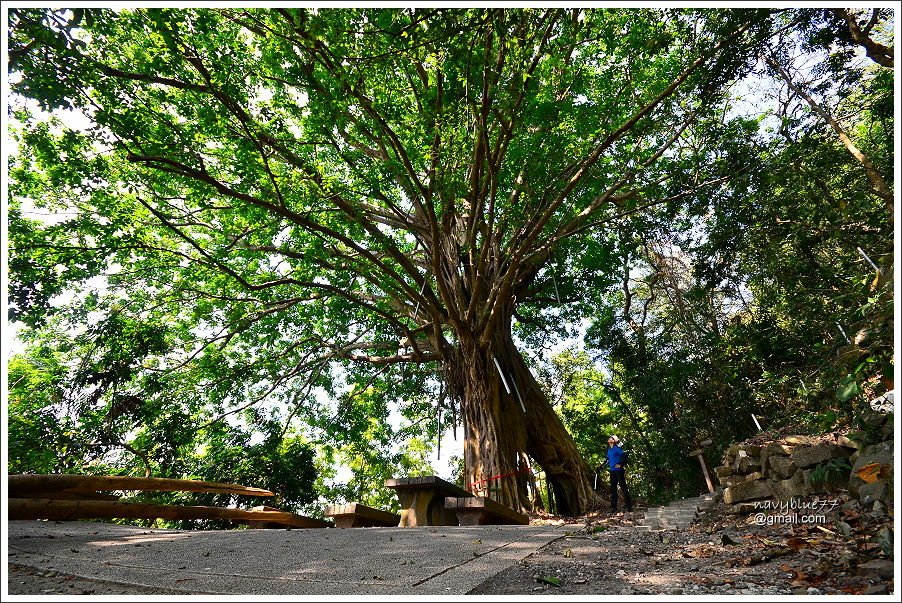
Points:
point(616, 465)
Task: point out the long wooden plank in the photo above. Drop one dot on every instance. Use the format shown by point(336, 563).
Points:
point(28, 483)
point(74, 494)
point(69, 510)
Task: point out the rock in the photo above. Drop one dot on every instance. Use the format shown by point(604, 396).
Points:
point(727, 482)
point(723, 471)
point(741, 508)
point(776, 448)
point(751, 449)
point(878, 491)
point(746, 491)
point(882, 568)
point(885, 540)
point(846, 442)
point(795, 440)
point(781, 467)
point(813, 591)
point(793, 487)
point(806, 456)
point(740, 455)
point(873, 419)
point(765, 472)
point(749, 464)
point(880, 454)
point(753, 476)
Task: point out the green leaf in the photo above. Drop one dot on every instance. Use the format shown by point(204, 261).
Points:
point(848, 388)
point(549, 580)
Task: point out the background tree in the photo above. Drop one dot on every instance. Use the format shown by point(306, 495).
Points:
point(770, 295)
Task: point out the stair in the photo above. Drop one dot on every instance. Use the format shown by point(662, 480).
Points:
point(677, 515)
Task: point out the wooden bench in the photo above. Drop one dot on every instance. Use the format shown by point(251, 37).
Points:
point(480, 510)
point(71, 510)
point(73, 497)
point(356, 515)
point(293, 520)
point(423, 500)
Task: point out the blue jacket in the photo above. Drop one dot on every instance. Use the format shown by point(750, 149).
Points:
point(615, 457)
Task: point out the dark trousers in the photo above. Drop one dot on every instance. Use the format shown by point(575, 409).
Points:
point(618, 477)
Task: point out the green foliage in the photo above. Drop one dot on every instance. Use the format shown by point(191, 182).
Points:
point(829, 472)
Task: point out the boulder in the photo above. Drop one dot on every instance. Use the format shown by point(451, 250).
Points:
point(753, 476)
point(806, 456)
point(746, 491)
point(794, 487)
point(781, 467)
point(880, 456)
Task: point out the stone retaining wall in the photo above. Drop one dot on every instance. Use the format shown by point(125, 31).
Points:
point(797, 466)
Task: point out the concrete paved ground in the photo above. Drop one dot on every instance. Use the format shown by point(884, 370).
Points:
point(357, 561)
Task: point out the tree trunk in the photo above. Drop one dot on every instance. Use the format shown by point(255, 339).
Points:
point(509, 420)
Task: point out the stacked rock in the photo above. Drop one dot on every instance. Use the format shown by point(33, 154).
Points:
point(797, 466)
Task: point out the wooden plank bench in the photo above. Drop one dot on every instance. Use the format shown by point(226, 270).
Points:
point(481, 510)
point(70, 510)
point(423, 500)
point(357, 515)
point(36, 485)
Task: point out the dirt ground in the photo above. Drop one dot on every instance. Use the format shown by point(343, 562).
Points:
point(719, 555)
point(849, 553)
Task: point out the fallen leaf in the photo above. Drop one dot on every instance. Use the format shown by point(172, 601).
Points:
point(871, 472)
point(549, 580)
point(568, 553)
point(725, 538)
point(796, 544)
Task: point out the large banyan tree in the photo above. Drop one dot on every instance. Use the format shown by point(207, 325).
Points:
point(371, 187)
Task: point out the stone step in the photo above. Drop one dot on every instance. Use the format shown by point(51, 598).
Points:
point(677, 515)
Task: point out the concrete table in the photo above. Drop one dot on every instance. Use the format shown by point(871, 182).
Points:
point(423, 500)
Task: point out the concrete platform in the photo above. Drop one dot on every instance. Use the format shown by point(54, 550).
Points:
point(332, 561)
